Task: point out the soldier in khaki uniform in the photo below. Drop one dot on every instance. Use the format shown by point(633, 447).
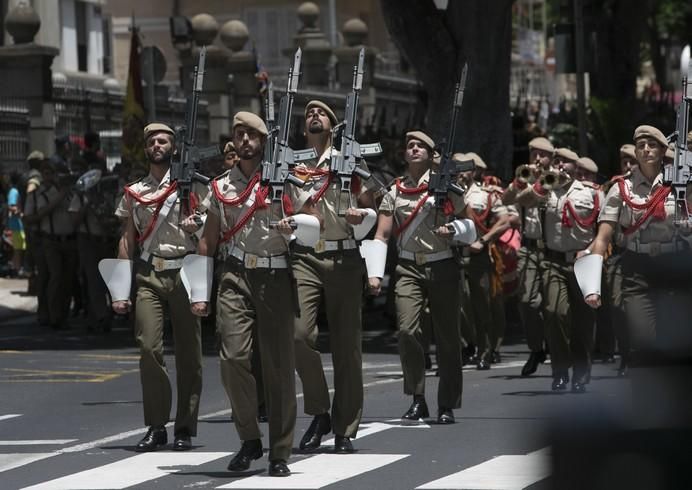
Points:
point(492, 219)
point(656, 268)
point(153, 229)
point(531, 254)
point(570, 212)
point(255, 299)
point(426, 274)
point(48, 206)
point(230, 156)
point(335, 269)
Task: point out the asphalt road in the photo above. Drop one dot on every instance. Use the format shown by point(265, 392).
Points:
point(71, 413)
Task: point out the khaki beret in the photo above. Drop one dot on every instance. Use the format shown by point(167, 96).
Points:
point(650, 132)
point(689, 137)
point(244, 118)
point(627, 151)
point(477, 160)
point(566, 154)
point(587, 164)
point(318, 103)
point(670, 152)
point(155, 128)
point(541, 143)
point(36, 155)
point(228, 147)
point(422, 137)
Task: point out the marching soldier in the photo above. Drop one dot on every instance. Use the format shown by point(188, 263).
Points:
point(155, 230)
point(256, 294)
point(428, 271)
point(531, 253)
point(230, 156)
point(334, 268)
point(570, 210)
point(491, 219)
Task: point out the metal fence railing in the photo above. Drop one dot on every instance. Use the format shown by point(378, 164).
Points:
point(14, 133)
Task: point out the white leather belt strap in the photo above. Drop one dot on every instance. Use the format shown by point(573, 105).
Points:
point(251, 261)
point(335, 245)
point(654, 248)
point(421, 258)
point(160, 264)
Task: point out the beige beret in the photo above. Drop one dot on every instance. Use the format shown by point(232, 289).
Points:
point(35, 155)
point(566, 154)
point(670, 152)
point(477, 160)
point(541, 143)
point(689, 137)
point(422, 137)
point(650, 132)
point(156, 128)
point(318, 103)
point(228, 147)
point(250, 120)
point(627, 151)
point(587, 164)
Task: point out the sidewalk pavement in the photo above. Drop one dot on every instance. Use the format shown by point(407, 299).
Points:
point(14, 300)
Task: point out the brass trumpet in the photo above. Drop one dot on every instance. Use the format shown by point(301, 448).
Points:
point(525, 174)
point(553, 179)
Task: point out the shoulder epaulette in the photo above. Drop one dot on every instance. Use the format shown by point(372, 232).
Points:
point(591, 184)
point(134, 182)
point(221, 176)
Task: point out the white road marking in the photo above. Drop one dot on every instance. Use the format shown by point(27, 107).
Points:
point(130, 471)
point(367, 429)
point(15, 460)
point(10, 416)
point(501, 473)
point(319, 471)
point(36, 442)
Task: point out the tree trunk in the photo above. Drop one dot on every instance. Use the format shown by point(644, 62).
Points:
point(437, 43)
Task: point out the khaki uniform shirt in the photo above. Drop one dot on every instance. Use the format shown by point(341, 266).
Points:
point(329, 205)
point(616, 211)
point(256, 237)
point(422, 239)
point(59, 221)
point(570, 239)
point(531, 227)
point(169, 240)
point(477, 197)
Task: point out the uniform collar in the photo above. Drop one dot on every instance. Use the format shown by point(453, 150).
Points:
point(237, 175)
point(424, 179)
point(638, 179)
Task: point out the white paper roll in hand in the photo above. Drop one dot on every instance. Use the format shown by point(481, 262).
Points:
point(197, 274)
point(117, 274)
point(361, 230)
point(464, 231)
point(588, 271)
point(307, 231)
point(375, 254)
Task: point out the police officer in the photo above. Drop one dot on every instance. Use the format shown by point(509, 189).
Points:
point(335, 269)
point(426, 272)
point(49, 208)
point(569, 217)
point(159, 238)
point(530, 254)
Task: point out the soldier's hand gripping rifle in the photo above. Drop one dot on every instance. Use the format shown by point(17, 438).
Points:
point(186, 161)
point(679, 174)
point(345, 164)
point(279, 159)
point(443, 180)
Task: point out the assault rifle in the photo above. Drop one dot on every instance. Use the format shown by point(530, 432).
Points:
point(345, 163)
point(443, 180)
point(186, 161)
point(679, 174)
point(279, 159)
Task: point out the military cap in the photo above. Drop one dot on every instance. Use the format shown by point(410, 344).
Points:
point(228, 147)
point(477, 160)
point(422, 137)
point(587, 164)
point(670, 152)
point(244, 118)
point(627, 151)
point(35, 155)
point(689, 137)
point(152, 128)
point(318, 103)
point(541, 143)
point(646, 131)
point(566, 154)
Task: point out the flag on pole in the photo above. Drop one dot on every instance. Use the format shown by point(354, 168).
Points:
point(260, 74)
point(133, 110)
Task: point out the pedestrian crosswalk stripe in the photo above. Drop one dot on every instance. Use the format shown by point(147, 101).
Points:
point(319, 471)
point(10, 416)
point(15, 460)
point(130, 471)
point(367, 429)
point(500, 473)
point(36, 442)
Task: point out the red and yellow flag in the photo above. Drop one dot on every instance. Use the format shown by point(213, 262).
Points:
point(133, 112)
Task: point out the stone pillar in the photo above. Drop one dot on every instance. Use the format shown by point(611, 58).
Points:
point(26, 74)
point(316, 48)
point(242, 66)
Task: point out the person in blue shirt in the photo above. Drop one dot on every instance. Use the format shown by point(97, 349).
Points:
point(15, 225)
